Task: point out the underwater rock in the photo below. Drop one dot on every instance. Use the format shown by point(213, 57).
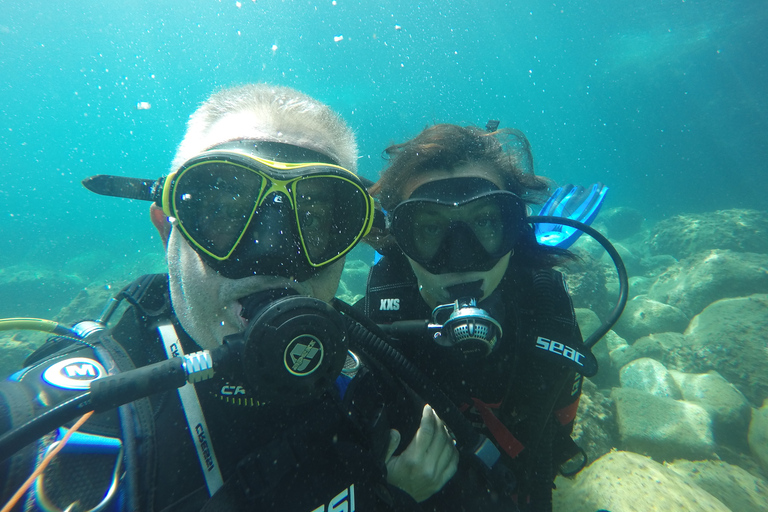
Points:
point(35, 292)
point(656, 265)
point(607, 375)
point(639, 285)
point(588, 321)
point(736, 230)
point(90, 302)
point(595, 427)
point(632, 262)
point(729, 409)
point(608, 372)
point(758, 435)
point(621, 222)
point(628, 482)
point(702, 279)
point(656, 346)
point(736, 488)
point(729, 336)
point(662, 428)
point(651, 376)
point(353, 282)
point(15, 347)
point(644, 316)
point(587, 286)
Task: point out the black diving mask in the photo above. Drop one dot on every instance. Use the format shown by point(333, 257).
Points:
point(253, 207)
point(458, 225)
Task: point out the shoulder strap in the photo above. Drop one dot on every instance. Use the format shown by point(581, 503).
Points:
point(193, 412)
point(149, 293)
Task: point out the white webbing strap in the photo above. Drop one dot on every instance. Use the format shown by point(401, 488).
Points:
point(198, 429)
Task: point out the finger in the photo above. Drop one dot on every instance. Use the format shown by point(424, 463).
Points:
point(448, 459)
point(429, 421)
point(452, 465)
point(394, 442)
point(426, 431)
point(441, 438)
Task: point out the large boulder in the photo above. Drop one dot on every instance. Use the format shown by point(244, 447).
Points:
point(644, 316)
point(639, 285)
point(662, 428)
point(628, 482)
point(739, 490)
point(651, 376)
point(758, 435)
point(621, 222)
point(736, 230)
point(729, 336)
point(656, 346)
point(700, 280)
point(729, 409)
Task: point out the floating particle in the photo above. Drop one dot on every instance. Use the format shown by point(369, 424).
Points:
point(338, 38)
point(143, 105)
point(238, 5)
point(274, 47)
point(398, 27)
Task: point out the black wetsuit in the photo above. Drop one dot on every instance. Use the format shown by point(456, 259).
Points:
point(533, 391)
point(317, 457)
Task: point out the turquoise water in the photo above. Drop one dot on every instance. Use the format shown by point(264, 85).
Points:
point(664, 101)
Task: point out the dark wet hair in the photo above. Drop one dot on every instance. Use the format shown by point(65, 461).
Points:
point(447, 146)
point(444, 147)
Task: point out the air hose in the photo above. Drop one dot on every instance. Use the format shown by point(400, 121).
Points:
point(613, 317)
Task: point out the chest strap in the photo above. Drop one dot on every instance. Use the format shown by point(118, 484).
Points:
point(506, 440)
point(193, 412)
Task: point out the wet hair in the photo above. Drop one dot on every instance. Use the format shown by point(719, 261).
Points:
point(445, 147)
point(279, 114)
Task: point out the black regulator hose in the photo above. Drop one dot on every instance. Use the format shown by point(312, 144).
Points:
point(620, 269)
point(108, 393)
point(16, 439)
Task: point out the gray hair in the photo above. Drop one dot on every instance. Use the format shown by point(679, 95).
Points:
point(273, 113)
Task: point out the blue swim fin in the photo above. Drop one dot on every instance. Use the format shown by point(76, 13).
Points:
point(575, 203)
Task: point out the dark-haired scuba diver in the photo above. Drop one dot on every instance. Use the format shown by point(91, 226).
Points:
point(257, 216)
point(467, 294)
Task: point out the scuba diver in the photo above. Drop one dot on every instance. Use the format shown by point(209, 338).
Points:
point(467, 292)
point(272, 411)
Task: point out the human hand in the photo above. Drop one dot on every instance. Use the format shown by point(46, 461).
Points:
point(429, 461)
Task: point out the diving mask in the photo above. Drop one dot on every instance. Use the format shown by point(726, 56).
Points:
point(252, 207)
point(458, 225)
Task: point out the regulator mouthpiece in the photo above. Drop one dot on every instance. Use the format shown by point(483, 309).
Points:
point(469, 329)
point(293, 349)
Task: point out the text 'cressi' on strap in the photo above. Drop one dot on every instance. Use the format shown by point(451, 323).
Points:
point(198, 428)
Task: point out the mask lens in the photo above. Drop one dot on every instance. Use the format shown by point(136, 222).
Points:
point(332, 215)
point(490, 223)
point(213, 202)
